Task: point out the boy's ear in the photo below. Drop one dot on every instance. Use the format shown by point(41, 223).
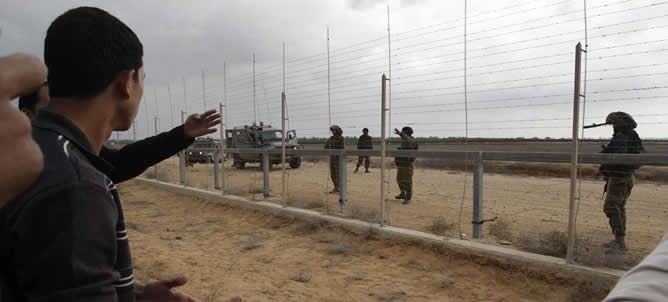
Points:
point(123, 83)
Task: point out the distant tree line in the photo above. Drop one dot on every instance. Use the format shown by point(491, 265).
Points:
point(459, 140)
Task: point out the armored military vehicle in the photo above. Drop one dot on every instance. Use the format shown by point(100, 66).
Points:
point(196, 154)
point(261, 137)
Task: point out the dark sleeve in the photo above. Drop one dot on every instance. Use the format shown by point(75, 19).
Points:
point(65, 243)
point(135, 158)
point(341, 143)
point(618, 144)
point(405, 139)
point(328, 143)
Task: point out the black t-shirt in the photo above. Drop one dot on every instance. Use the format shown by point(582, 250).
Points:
point(64, 239)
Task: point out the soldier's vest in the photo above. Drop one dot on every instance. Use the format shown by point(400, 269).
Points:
point(406, 161)
point(631, 145)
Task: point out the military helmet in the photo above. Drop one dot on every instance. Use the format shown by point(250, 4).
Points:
point(621, 119)
point(407, 130)
point(365, 130)
point(336, 129)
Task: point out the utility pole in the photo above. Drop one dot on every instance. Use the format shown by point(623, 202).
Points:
point(574, 157)
point(203, 90)
point(185, 95)
point(171, 108)
point(254, 107)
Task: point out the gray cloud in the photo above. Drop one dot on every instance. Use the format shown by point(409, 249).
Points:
point(507, 96)
point(365, 4)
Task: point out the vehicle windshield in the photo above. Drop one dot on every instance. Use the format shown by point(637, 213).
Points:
point(271, 135)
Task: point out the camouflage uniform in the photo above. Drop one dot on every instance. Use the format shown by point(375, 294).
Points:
point(364, 143)
point(405, 166)
point(619, 178)
point(335, 142)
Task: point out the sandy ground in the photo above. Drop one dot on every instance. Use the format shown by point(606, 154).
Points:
point(529, 209)
point(230, 251)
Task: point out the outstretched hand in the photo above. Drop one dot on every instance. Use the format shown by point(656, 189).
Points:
point(201, 124)
point(164, 291)
point(396, 131)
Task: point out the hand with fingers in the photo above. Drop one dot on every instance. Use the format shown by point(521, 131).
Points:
point(20, 157)
point(396, 131)
point(201, 124)
point(165, 291)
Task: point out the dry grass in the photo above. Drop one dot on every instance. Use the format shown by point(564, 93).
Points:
point(590, 252)
point(371, 234)
point(301, 278)
point(305, 227)
point(587, 251)
point(589, 290)
point(341, 244)
point(305, 204)
point(163, 174)
point(391, 296)
point(501, 230)
point(255, 241)
point(213, 296)
point(362, 213)
point(554, 243)
point(440, 226)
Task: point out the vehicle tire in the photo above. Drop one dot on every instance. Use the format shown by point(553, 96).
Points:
point(239, 164)
point(296, 162)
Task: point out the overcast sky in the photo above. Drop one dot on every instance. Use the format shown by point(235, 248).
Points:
point(519, 60)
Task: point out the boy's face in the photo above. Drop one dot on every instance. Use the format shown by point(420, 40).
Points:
point(130, 107)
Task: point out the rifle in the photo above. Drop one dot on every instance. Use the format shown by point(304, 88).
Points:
point(595, 125)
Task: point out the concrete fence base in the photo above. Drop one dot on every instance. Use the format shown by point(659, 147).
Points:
point(557, 265)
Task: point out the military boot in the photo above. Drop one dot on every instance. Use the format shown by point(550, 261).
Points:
point(407, 198)
point(357, 169)
point(617, 246)
point(401, 196)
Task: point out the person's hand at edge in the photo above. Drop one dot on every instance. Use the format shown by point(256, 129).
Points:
point(165, 291)
point(201, 124)
point(20, 157)
point(20, 74)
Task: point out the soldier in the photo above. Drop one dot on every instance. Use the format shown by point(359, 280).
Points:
point(619, 178)
point(335, 142)
point(364, 143)
point(405, 164)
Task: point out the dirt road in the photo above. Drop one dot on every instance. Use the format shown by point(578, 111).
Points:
point(230, 251)
point(531, 211)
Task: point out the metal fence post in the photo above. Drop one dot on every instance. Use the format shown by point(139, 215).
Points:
point(342, 180)
point(382, 151)
point(284, 183)
point(182, 160)
point(222, 150)
point(216, 171)
point(574, 157)
point(266, 166)
point(477, 196)
point(155, 167)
